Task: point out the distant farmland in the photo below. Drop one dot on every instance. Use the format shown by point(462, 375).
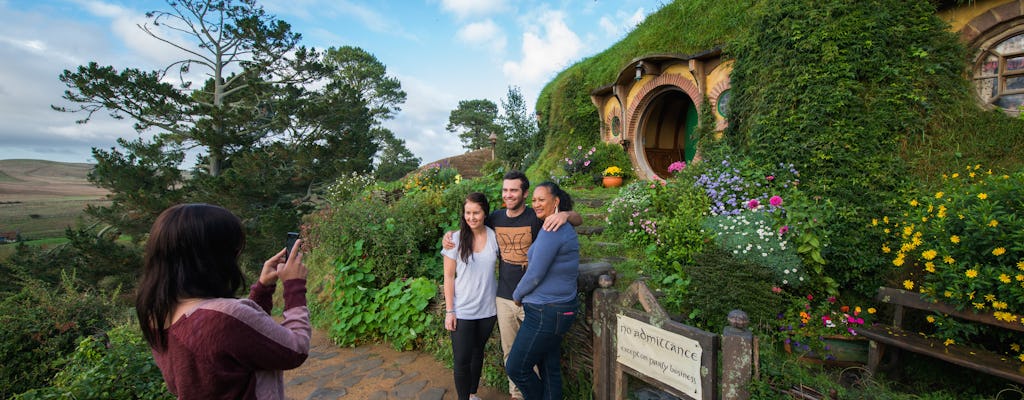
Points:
point(40, 198)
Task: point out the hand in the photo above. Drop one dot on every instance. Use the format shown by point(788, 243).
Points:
point(277, 268)
point(449, 322)
point(447, 242)
point(555, 221)
point(519, 303)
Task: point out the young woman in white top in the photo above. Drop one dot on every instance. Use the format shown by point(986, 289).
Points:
point(469, 291)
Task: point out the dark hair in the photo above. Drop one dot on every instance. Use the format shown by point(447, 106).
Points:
point(517, 174)
point(465, 233)
point(564, 200)
point(192, 251)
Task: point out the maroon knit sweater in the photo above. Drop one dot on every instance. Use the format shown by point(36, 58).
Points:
point(233, 349)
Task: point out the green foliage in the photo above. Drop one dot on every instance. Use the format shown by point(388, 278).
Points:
point(518, 142)
point(630, 218)
point(751, 238)
point(395, 159)
point(401, 317)
point(42, 324)
point(719, 283)
point(353, 311)
point(98, 257)
point(114, 365)
point(474, 121)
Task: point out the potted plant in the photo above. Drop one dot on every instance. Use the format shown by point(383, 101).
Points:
point(824, 329)
point(612, 176)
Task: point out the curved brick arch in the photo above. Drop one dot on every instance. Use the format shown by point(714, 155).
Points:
point(643, 98)
point(978, 26)
point(720, 123)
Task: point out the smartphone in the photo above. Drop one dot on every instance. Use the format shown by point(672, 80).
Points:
point(289, 242)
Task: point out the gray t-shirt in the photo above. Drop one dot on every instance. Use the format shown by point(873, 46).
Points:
point(475, 285)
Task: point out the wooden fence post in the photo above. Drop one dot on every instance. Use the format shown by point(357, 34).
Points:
point(605, 298)
point(737, 357)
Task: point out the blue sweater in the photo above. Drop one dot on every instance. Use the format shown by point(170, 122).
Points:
point(552, 269)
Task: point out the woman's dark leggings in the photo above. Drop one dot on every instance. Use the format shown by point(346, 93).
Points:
point(468, 341)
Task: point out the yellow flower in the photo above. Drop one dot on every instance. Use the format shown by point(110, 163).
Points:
point(949, 341)
point(872, 310)
point(948, 294)
point(1014, 347)
point(1020, 265)
point(948, 260)
point(931, 319)
point(971, 174)
point(929, 254)
point(971, 273)
point(613, 171)
point(955, 175)
point(924, 219)
point(1004, 278)
point(1021, 357)
point(908, 230)
point(977, 167)
point(980, 306)
point(898, 261)
point(993, 223)
point(913, 203)
point(886, 230)
point(885, 249)
point(982, 196)
point(938, 195)
point(908, 284)
point(856, 310)
point(954, 239)
point(929, 266)
point(990, 297)
point(999, 305)
point(885, 220)
point(998, 251)
point(1019, 277)
point(930, 208)
point(874, 222)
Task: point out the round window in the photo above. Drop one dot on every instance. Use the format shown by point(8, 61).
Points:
point(999, 73)
point(723, 102)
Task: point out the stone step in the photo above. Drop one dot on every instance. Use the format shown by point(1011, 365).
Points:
point(589, 230)
point(592, 203)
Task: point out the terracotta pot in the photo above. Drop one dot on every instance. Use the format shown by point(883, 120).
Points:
point(612, 181)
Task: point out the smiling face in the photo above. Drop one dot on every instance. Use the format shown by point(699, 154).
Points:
point(473, 213)
point(544, 203)
point(512, 194)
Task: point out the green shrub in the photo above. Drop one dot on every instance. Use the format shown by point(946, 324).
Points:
point(750, 237)
point(115, 365)
point(343, 300)
point(400, 316)
point(721, 283)
point(42, 324)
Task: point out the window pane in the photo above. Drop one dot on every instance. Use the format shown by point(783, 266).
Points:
point(1015, 63)
point(1011, 102)
point(1012, 45)
point(986, 88)
point(990, 66)
point(1015, 82)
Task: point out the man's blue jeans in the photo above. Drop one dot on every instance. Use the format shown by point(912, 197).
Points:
point(539, 343)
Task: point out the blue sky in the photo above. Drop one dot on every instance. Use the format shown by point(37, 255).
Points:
point(442, 51)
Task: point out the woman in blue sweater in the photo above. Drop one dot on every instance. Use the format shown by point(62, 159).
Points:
point(547, 293)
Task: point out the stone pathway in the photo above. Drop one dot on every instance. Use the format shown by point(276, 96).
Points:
point(372, 372)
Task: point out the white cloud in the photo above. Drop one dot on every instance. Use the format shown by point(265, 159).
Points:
point(622, 23)
point(423, 119)
point(547, 48)
point(473, 8)
point(485, 34)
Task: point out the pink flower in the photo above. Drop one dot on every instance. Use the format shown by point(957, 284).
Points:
point(753, 203)
point(832, 299)
point(775, 201)
point(770, 178)
point(783, 230)
point(810, 297)
point(776, 289)
point(570, 162)
point(579, 147)
point(676, 167)
point(587, 164)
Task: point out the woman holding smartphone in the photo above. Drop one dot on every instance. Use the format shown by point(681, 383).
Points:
point(469, 291)
point(207, 343)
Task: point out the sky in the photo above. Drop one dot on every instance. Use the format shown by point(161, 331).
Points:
point(442, 51)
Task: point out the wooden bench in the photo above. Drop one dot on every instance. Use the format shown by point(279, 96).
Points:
point(882, 336)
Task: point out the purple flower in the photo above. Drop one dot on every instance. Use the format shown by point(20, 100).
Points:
point(775, 201)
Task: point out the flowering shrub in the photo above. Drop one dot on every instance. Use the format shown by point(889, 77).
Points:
point(630, 216)
point(347, 187)
point(434, 176)
point(580, 161)
point(676, 167)
point(612, 171)
point(751, 237)
point(962, 245)
point(811, 319)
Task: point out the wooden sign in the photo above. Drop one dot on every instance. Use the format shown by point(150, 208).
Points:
point(667, 357)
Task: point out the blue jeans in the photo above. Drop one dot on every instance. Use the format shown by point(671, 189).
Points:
point(539, 343)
